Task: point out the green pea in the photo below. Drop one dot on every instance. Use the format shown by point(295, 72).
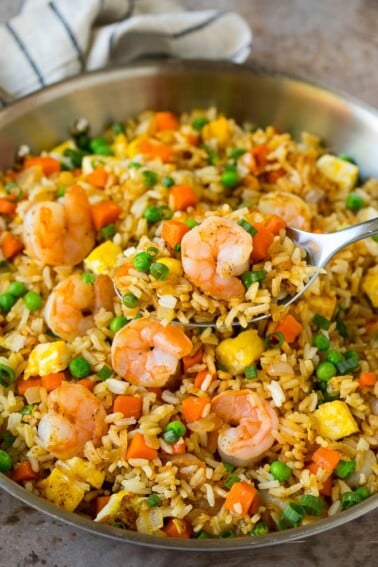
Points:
point(321, 342)
point(235, 153)
point(100, 146)
point(7, 300)
point(79, 367)
point(149, 178)
point(104, 373)
point(152, 214)
point(355, 202)
point(6, 462)
point(170, 437)
point(345, 468)
point(117, 323)
point(230, 179)
point(142, 262)
point(280, 471)
point(88, 278)
point(199, 122)
point(33, 301)
point(325, 371)
point(177, 426)
point(130, 300)
point(159, 271)
point(60, 192)
point(334, 356)
point(167, 181)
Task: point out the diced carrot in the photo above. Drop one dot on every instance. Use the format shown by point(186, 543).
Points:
point(275, 224)
point(105, 212)
point(273, 175)
point(48, 164)
point(138, 449)
point(98, 177)
point(240, 498)
point(201, 377)
point(23, 472)
point(87, 383)
point(367, 379)
point(23, 385)
point(165, 121)
point(7, 207)
point(259, 154)
point(191, 360)
point(179, 447)
point(129, 406)
point(261, 242)
point(192, 139)
point(181, 197)
point(290, 328)
point(11, 246)
point(172, 231)
point(155, 150)
point(326, 485)
point(178, 527)
point(124, 269)
point(327, 459)
point(99, 503)
point(193, 407)
point(255, 504)
point(157, 391)
point(371, 327)
point(52, 381)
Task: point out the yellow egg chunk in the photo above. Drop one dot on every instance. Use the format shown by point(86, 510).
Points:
point(217, 129)
point(334, 420)
point(370, 285)
point(242, 351)
point(82, 470)
point(338, 170)
point(111, 509)
point(60, 489)
point(119, 146)
point(102, 258)
point(47, 358)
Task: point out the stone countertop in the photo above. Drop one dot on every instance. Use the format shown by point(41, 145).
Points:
point(332, 42)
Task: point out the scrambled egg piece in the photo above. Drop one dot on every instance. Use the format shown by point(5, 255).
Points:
point(102, 258)
point(335, 420)
point(370, 285)
point(119, 146)
point(338, 170)
point(217, 129)
point(242, 351)
point(47, 358)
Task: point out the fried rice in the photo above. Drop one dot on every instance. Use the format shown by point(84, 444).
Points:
point(313, 363)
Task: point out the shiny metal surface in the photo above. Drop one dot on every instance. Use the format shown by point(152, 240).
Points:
point(244, 92)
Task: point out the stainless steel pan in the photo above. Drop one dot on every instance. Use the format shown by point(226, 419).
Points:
point(246, 93)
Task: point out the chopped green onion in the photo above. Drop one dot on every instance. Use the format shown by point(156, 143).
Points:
point(325, 371)
point(293, 513)
point(79, 367)
point(130, 300)
point(212, 155)
point(247, 226)
point(341, 328)
point(349, 499)
point(321, 342)
point(274, 340)
point(170, 437)
point(199, 122)
point(7, 375)
point(227, 534)
point(108, 231)
point(75, 156)
point(260, 529)
point(27, 410)
point(104, 373)
point(334, 356)
point(153, 500)
point(149, 178)
point(355, 202)
point(229, 467)
point(313, 505)
point(362, 492)
point(159, 271)
point(61, 191)
point(134, 165)
point(33, 301)
point(251, 372)
point(167, 181)
point(349, 365)
point(177, 248)
point(4, 267)
point(345, 468)
point(321, 322)
point(235, 153)
point(231, 480)
point(7, 440)
point(152, 251)
point(203, 534)
point(142, 262)
point(191, 223)
point(280, 471)
point(345, 157)
point(6, 462)
point(375, 237)
point(7, 300)
point(117, 323)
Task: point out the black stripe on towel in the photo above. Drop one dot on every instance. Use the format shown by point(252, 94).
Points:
point(242, 49)
point(198, 27)
point(25, 52)
point(70, 33)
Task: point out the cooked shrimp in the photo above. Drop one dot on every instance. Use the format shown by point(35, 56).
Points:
point(213, 253)
point(294, 210)
point(56, 233)
point(147, 354)
point(71, 305)
point(74, 416)
point(248, 423)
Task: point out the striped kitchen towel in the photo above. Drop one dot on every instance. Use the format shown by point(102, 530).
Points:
point(51, 40)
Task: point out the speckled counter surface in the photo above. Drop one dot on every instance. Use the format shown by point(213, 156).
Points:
point(331, 41)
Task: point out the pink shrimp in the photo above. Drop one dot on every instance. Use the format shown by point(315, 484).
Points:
point(146, 353)
point(56, 233)
point(294, 210)
point(213, 253)
point(248, 424)
point(74, 417)
point(71, 305)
